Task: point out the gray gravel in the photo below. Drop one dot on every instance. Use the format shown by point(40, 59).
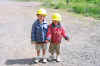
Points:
point(16, 19)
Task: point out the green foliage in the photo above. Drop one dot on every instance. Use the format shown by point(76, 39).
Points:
point(28, 0)
point(24, 0)
point(85, 7)
point(82, 8)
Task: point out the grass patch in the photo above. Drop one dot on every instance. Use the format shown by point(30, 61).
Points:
point(84, 7)
point(27, 0)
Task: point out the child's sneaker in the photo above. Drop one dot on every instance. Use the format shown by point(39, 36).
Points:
point(44, 60)
point(58, 59)
point(37, 59)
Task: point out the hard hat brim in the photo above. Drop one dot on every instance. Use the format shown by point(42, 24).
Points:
point(42, 14)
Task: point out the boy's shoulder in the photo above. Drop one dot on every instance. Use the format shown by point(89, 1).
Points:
point(35, 22)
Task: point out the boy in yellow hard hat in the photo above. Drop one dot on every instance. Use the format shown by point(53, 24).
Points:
point(38, 35)
point(55, 34)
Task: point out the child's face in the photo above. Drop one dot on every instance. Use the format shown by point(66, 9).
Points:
point(41, 17)
point(55, 22)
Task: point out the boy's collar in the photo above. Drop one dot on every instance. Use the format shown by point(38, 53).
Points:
point(42, 22)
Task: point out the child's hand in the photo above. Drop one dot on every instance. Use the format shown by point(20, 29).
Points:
point(46, 41)
point(67, 38)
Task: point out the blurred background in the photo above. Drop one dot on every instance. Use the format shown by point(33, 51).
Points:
point(84, 7)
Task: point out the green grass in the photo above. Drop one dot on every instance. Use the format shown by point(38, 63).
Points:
point(23, 0)
point(84, 7)
point(27, 0)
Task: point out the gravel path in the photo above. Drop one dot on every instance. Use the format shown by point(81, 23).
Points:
point(16, 19)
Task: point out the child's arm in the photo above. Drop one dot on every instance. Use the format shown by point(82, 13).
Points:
point(33, 33)
point(64, 34)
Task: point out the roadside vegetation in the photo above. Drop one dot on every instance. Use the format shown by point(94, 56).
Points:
point(84, 7)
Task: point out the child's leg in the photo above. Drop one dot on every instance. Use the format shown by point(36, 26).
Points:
point(38, 49)
point(58, 53)
point(51, 49)
point(58, 49)
point(44, 48)
point(38, 52)
point(44, 52)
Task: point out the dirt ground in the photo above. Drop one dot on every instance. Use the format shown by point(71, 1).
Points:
point(16, 19)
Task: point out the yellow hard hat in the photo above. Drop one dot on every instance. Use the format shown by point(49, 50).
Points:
point(56, 16)
point(42, 11)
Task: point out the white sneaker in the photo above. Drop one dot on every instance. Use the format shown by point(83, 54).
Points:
point(37, 59)
point(44, 60)
point(58, 59)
